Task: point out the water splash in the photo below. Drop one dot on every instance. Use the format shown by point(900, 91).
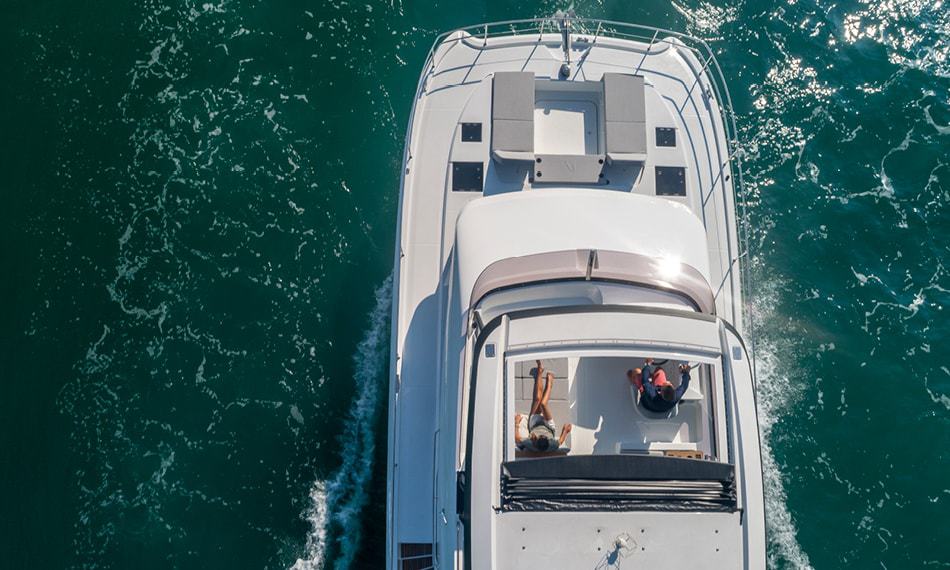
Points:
point(916, 33)
point(334, 514)
point(316, 515)
point(706, 19)
point(776, 392)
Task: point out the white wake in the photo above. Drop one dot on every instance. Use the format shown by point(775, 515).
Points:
point(334, 513)
point(776, 392)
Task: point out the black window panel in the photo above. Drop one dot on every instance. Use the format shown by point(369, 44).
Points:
point(415, 556)
point(424, 563)
point(670, 180)
point(467, 176)
point(665, 136)
point(414, 549)
point(471, 132)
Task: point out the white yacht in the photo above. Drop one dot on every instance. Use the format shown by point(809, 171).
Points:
point(568, 198)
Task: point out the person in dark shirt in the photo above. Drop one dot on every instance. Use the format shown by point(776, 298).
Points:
point(656, 393)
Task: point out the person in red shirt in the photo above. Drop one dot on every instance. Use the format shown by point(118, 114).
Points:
point(658, 377)
point(656, 393)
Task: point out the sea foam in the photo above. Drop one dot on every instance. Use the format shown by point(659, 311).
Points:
point(775, 393)
point(334, 512)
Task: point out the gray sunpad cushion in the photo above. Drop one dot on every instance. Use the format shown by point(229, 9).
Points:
point(625, 114)
point(513, 111)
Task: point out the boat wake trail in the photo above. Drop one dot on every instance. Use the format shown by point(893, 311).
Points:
point(336, 504)
point(775, 392)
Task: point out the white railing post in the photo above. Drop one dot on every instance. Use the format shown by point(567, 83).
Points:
point(646, 53)
point(689, 93)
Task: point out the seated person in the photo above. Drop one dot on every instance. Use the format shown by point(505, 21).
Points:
point(540, 426)
point(657, 376)
point(656, 393)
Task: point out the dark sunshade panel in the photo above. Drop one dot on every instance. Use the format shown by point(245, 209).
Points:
point(620, 468)
point(618, 483)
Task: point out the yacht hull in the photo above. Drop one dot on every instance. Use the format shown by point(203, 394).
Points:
point(459, 156)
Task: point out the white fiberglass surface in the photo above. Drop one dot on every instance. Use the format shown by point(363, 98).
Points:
point(594, 395)
point(565, 127)
point(574, 293)
point(517, 224)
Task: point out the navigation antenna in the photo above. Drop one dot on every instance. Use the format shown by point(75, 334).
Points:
point(564, 20)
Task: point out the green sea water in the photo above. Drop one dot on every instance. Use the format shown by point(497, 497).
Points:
point(196, 233)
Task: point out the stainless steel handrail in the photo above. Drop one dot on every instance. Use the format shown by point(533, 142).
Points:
point(596, 29)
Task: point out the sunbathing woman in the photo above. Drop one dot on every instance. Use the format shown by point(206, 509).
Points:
point(540, 424)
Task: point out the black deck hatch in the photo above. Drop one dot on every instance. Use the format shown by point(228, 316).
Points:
point(467, 176)
point(670, 180)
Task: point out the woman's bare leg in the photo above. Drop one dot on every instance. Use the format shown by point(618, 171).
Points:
point(538, 393)
point(548, 386)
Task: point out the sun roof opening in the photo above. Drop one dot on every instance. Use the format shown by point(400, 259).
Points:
point(590, 405)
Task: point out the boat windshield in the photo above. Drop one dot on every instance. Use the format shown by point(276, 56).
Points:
point(595, 405)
